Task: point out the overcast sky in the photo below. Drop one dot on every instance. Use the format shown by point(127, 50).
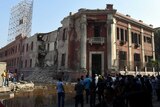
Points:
point(47, 14)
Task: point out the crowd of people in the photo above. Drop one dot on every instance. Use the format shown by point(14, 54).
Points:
point(117, 91)
point(10, 76)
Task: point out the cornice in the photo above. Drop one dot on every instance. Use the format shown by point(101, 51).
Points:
point(133, 21)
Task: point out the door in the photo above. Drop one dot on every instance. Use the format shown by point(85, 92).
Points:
point(96, 64)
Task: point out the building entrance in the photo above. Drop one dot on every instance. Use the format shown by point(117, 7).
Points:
point(96, 64)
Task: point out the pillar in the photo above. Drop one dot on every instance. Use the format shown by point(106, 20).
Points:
point(83, 43)
point(129, 47)
point(111, 43)
point(153, 46)
point(153, 49)
point(142, 48)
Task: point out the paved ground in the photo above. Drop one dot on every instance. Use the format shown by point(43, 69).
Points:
point(155, 104)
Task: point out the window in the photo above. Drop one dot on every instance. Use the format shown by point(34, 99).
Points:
point(147, 39)
point(122, 35)
point(63, 60)
point(16, 49)
point(27, 47)
point(139, 38)
point(132, 34)
point(23, 48)
point(126, 35)
point(117, 33)
point(17, 61)
point(148, 58)
point(20, 21)
point(136, 57)
point(136, 38)
point(19, 48)
point(48, 45)
point(144, 38)
point(64, 34)
point(122, 55)
point(25, 63)
point(32, 46)
point(96, 31)
point(30, 63)
point(22, 64)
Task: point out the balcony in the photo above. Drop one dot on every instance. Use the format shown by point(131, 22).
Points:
point(96, 40)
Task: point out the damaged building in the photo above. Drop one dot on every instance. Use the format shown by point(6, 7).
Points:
point(98, 41)
point(26, 54)
point(104, 41)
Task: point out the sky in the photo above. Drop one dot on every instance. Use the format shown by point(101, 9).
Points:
point(48, 14)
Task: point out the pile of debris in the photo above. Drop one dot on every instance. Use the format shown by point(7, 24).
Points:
point(41, 76)
point(21, 85)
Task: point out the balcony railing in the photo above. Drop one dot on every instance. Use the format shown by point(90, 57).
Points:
point(97, 40)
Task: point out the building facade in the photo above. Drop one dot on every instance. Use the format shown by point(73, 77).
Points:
point(11, 54)
point(102, 41)
point(26, 54)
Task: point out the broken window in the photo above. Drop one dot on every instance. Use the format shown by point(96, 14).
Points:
point(39, 37)
point(30, 63)
point(48, 45)
point(32, 46)
point(63, 60)
point(20, 21)
point(64, 34)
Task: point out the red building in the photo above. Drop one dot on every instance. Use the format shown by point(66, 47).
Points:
point(11, 54)
point(103, 40)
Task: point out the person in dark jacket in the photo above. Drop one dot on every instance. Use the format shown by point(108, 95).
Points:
point(79, 88)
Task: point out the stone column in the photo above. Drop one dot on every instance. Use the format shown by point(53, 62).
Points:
point(153, 49)
point(153, 46)
point(111, 43)
point(83, 44)
point(129, 47)
point(142, 48)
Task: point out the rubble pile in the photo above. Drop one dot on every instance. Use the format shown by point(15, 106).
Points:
point(21, 85)
point(41, 76)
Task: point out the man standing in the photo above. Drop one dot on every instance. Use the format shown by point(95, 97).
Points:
point(79, 88)
point(4, 76)
point(87, 82)
point(61, 92)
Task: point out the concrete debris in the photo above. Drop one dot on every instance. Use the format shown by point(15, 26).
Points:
point(41, 76)
point(21, 86)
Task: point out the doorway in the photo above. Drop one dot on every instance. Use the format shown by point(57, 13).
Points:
point(96, 64)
